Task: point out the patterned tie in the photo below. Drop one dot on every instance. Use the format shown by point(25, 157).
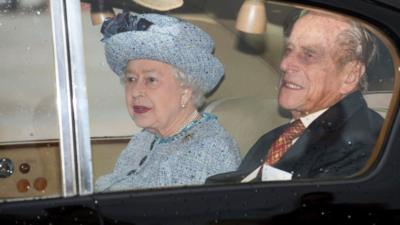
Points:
point(284, 141)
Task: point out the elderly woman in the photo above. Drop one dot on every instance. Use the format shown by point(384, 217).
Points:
point(167, 67)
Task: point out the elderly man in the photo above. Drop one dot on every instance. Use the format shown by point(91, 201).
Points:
point(332, 132)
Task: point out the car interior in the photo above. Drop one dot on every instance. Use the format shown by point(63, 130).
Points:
point(245, 102)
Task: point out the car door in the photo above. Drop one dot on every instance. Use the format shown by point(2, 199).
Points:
point(42, 113)
point(367, 197)
point(83, 125)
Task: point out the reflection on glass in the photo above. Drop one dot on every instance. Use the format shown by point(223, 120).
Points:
point(166, 76)
point(28, 119)
point(290, 73)
point(326, 65)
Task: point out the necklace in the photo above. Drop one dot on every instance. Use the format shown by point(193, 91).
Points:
point(204, 117)
point(191, 120)
point(194, 116)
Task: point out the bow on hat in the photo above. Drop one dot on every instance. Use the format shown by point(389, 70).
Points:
point(123, 22)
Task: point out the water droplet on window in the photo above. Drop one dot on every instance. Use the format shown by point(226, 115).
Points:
point(96, 202)
point(1, 24)
point(37, 12)
point(349, 217)
point(28, 48)
point(322, 213)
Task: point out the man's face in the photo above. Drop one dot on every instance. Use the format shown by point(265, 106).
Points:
point(312, 79)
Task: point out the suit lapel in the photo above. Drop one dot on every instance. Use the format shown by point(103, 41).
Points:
point(300, 158)
point(257, 154)
point(297, 159)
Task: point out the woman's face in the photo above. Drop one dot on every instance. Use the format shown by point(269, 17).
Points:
point(153, 95)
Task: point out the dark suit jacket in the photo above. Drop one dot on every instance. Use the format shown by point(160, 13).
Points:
point(337, 143)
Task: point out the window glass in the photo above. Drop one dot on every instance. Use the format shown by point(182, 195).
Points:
point(246, 102)
point(110, 124)
point(29, 150)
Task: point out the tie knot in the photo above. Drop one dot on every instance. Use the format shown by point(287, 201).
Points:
point(294, 130)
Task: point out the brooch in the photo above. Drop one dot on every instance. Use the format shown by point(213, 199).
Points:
point(187, 137)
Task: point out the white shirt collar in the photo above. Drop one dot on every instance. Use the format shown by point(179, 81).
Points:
point(307, 120)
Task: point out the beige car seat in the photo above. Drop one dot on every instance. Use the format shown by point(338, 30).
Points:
point(248, 118)
point(379, 101)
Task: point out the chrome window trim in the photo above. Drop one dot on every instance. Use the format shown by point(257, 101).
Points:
point(72, 103)
point(64, 98)
point(80, 100)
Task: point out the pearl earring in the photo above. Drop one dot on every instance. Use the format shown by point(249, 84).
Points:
point(183, 104)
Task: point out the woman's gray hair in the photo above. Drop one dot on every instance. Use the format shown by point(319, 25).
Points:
point(186, 81)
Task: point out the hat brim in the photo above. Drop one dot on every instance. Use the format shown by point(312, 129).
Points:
point(160, 5)
point(195, 62)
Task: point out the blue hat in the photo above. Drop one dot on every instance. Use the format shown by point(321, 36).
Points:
point(163, 38)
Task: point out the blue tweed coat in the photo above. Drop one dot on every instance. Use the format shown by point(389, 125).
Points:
point(203, 148)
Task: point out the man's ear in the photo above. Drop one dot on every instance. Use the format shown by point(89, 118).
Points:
point(353, 72)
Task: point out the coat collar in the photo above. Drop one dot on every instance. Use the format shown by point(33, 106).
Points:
point(339, 113)
point(331, 120)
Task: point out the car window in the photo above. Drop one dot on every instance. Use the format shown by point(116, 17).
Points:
point(245, 102)
point(29, 134)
